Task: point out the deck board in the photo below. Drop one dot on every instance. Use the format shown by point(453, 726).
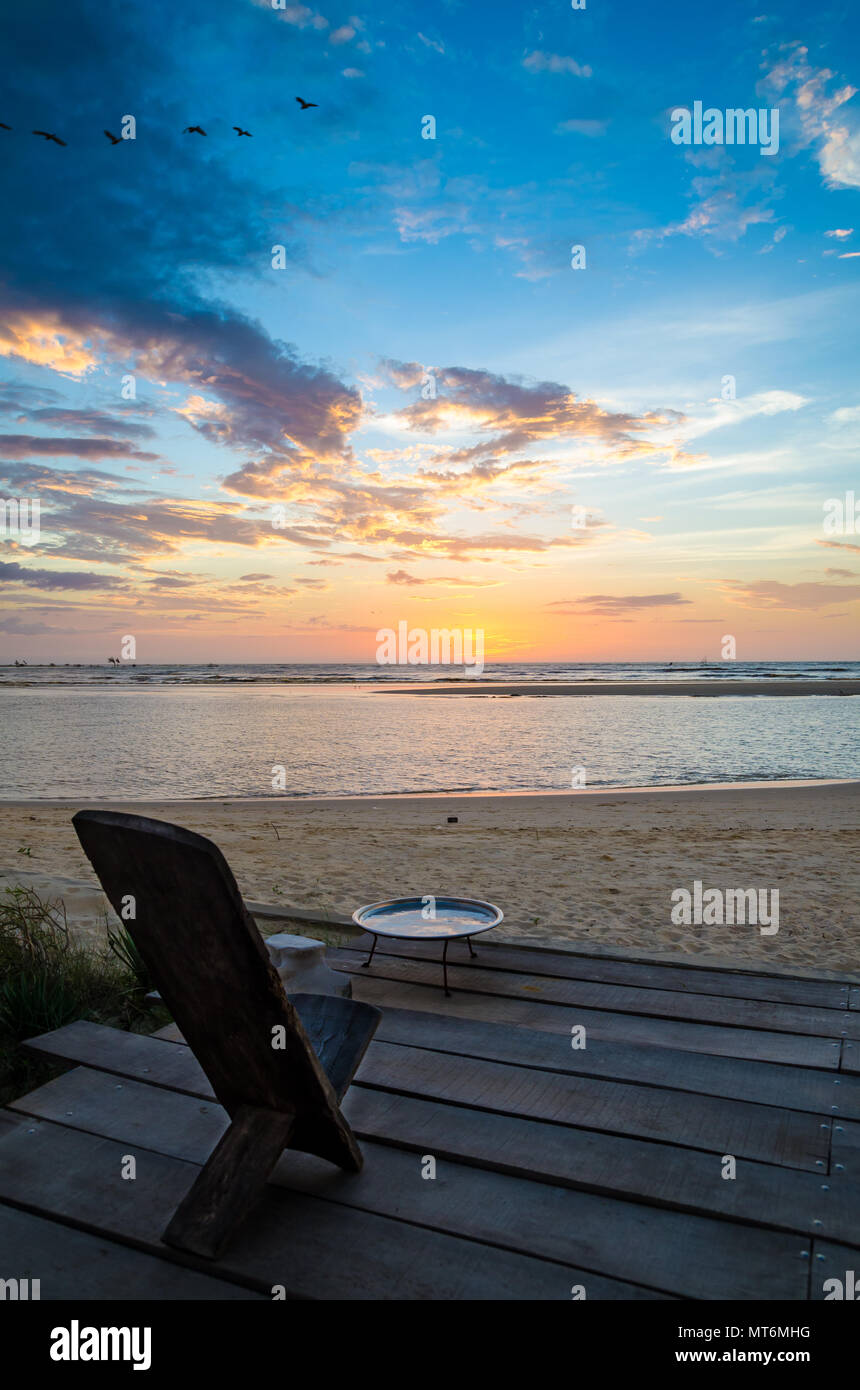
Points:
point(72, 1264)
point(791, 1088)
point(703, 1073)
point(656, 1003)
point(555, 1166)
point(784, 1198)
point(692, 979)
point(618, 1239)
point(312, 1247)
point(794, 1139)
point(426, 997)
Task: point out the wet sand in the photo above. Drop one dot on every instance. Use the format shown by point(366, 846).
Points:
point(693, 688)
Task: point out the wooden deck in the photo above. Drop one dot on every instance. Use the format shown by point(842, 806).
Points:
point(555, 1167)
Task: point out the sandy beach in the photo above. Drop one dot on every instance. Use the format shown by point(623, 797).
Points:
point(586, 867)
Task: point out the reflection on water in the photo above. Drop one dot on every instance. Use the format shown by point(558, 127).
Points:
point(191, 741)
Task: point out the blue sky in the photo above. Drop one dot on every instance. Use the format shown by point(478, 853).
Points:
point(408, 259)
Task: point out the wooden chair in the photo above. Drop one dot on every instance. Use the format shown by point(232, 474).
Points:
point(278, 1066)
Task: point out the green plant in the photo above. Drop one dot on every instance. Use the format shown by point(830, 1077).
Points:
point(122, 944)
point(48, 979)
point(35, 1001)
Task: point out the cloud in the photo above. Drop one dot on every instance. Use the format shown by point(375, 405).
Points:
point(774, 241)
point(90, 421)
point(724, 413)
point(16, 446)
point(554, 62)
point(611, 605)
point(840, 232)
point(252, 392)
point(403, 577)
point(22, 627)
point(42, 480)
point(833, 132)
point(299, 16)
point(81, 508)
point(433, 224)
point(726, 204)
point(513, 413)
point(590, 128)
point(792, 598)
point(431, 43)
point(12, 573)
point(837, 545)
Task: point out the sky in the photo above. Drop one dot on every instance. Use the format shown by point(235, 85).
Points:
point(471, 343)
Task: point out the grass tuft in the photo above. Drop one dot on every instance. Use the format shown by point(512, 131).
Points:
point(47, 979)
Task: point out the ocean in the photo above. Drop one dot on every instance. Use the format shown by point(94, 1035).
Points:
point(169, 732)
point(344, 673)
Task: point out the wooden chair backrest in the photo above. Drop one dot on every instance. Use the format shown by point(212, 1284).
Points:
point(208, 960)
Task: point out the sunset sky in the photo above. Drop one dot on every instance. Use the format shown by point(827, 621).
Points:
point(285, 481)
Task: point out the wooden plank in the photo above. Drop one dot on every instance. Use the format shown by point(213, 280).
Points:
point(692, 979)
point(850, 1057)
point(688, 1180)
point(651, 1032)
point(855, 997)
point(72, 1264)
point(792, 1138)
point(792, 1088)
point(314, 1248)
point(845, 1151)
point(319, 1013)
point(658, 1247)
point(705, 1008)
point(831, 1260)
point(170, 1033)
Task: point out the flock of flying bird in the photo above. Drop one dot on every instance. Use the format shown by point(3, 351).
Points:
point(189, 130)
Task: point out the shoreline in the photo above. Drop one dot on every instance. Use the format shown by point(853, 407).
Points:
point(511, 689)
point(692, 688)
point(367, 798)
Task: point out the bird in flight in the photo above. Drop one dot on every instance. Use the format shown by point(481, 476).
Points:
point(114, 139)
point(305, 104)
point(240, 131)
point(46, 135)
point(194, 130)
